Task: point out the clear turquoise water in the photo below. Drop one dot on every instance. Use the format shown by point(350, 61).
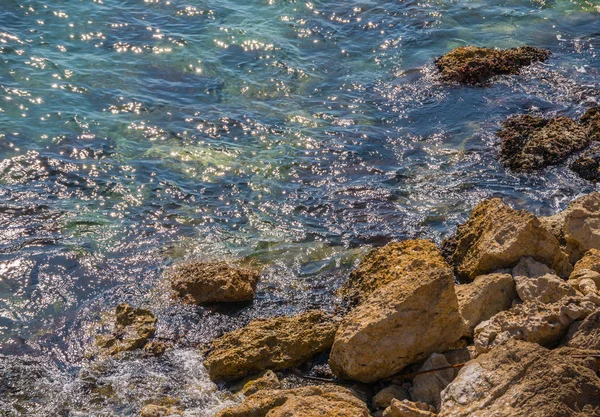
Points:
point(291, 134)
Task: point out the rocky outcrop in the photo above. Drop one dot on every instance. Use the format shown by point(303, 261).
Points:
point(524, 379)
point(132, 328)
point(581, 225)
point(311, 401)
point(473, 65)
point(275, 343)
point(585, 334)
point(384, 398)
point(427, 387)
point(407, 408)
point(532, 321)
point(497, 236)
point(536, 282)
point(389, 263)
point(486, 296)
point(400, 323)
point(591, 120)
point(587, 165)
point(213, 282)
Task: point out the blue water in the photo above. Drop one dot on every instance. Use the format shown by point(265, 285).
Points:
point(293, 135)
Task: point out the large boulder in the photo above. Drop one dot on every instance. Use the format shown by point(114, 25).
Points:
point(132, 328)
point(407, 408)
point(275, 343)
point(497, 236)
point(389, 263)
point(400, 323)
point(585, 334)
point(486, 296)
point(524, 379)
point(474, 65)
point(311, 401)
point(536, 282)
point(581, 225)
point(213, 282)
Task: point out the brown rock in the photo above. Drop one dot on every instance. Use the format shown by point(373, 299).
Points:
point(427, 387)
point(389, 263)
point(132, 329)
point(497, 236)
point(407, 408)
point(384, 398)
point(590, 261)
point(536, 282)
point(213, 282)
point(265, 380)
point(585, 334)
point(587, 165)
point(275, 343)
point(152, 410)
point(311, 401)
point(591, 119)
point(399, 324)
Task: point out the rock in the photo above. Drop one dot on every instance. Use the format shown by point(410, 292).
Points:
point(275, 343)
point(585, 334)
point(591, 120)
point(530, 143)
point(428, 387)
point(156, 347)
point(486, 296)
point(132, 329)
point(152, 410)
point(311, 401)
point(524, 379)
point(384, 398)
point(407, 408)
point(213, 282)
point(532, 321)
point(587, 165)
point(535, 281)
point(554, 224)
point(473, 65)
point(389, 263)
point(590, 261)
point(581, 226)
point(585, 277)
point(399, 324)
point(497, 236)
point(265, 380)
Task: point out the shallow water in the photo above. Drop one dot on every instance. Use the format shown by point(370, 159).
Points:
point(136, 133)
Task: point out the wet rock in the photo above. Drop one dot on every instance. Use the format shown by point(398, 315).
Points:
point(524, 379)
point(474, 65)
point(536, 282)
point(399, 324)
point(311, 401)
point(156, 347)
point(587, 165)
point(427, 387)
point(152, 410)
point(132, 329)
point(213, 282)
point(407, 408)
point(384, 398)
point(591, 120)
point(585, 334)
point(530, 143)
point(265, 380)
point(497, 236)
point(532, 321)
point(486, 296)
point(389, 263)
point(275, 343)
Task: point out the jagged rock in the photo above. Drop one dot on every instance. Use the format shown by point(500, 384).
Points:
point(524, 379)
point(530, 143)
point(587, 165)
point(407, 408)
point(535, 281)
point(591, 119)
point(473, 65)
point(590, 261)
point(132, 329)
point(213, 282)
point(386, 264)
point(586, 275)
point(497, 236)
point(486, 296)
point(581, 226)
point(152, 410)
point(275, 343)
point(311, 401)
point(532, 321)
point(384, 398)
point(400, 323)
point(585, 334)
point(265, 380)
point(427, 387)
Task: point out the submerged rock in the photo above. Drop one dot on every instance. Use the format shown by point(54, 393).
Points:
point(497, 236)
point(399, 324)
point(524, 379)
point(389, 263)
point(275, 343)
point(474, 65)
point(213, 282)
point(407, 408)
point(311, 401)
point(536, 282)
point(132, 329)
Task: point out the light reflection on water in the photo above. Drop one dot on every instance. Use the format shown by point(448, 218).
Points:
point(292, 134)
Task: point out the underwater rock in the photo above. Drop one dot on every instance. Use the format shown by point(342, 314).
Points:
point(384, 398)
point(474, 65)
point(587, 165)
point(132, 329)
point(535, 281)
point(275, 343)
point(585, 334)
point(213, 282)
point(400, 323)
point(497, 236)
point(310, 401)
point(388, 263)
point(407, 408)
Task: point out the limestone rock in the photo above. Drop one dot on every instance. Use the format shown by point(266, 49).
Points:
point(428, 387)
point(590, 261)
point(213, 282)
point(524, 379)
point(265, 380)
point(275, 343)
point(311, 401)
point(473, 65)
point(497, 236)
point(152, 410)
point(585, 334)
point(389, 263)
point(400, 323)
point(581, 226)
point(532, 321)
point(535, 281)
point(407, 408)
point(384, 398)
point(486, 296)
point(132, 329)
